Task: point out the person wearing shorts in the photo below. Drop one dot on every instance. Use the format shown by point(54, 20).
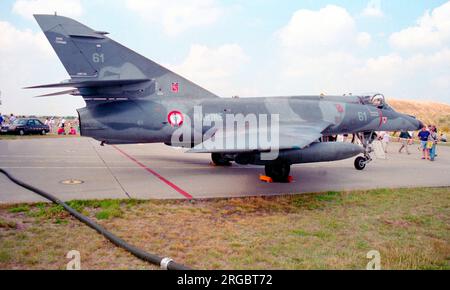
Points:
point(404, 139)
point(423, 137)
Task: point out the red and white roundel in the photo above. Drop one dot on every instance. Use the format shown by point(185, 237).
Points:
point(176, 119)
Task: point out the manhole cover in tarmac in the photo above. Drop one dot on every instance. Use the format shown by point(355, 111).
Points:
point(72, 182)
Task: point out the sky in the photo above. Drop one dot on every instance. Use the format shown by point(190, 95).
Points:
point(245, 48)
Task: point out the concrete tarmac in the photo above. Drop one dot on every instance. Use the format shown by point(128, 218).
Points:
point(155, 171)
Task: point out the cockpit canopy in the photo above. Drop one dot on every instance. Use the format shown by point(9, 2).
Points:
point(377, 100)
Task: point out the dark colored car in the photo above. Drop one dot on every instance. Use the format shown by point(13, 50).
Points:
point(4, 129)
point(27, 126)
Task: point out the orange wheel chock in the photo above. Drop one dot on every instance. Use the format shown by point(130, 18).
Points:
point(266, 179)
point(270, 180)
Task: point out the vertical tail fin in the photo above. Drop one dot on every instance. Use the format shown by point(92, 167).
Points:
point(90, 55)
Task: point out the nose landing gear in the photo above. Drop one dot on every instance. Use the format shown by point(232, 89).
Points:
point(366, 140)
point(360, 163)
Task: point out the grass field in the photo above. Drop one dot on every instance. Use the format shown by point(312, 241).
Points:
point(409, 227)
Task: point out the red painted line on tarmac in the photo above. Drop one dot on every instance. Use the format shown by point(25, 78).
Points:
point(156, 174)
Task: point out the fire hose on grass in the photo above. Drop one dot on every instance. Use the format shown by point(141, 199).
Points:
point(164, 263)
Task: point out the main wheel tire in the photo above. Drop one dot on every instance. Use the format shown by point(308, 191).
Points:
point(43, 133)
point(360, 163)
point(219, 160)
point(279, 172)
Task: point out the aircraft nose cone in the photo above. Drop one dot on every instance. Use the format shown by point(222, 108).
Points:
point(416, 124)
point(420, 125)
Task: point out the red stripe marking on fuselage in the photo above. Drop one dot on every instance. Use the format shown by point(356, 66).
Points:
point(381, 118)
point(156, 174)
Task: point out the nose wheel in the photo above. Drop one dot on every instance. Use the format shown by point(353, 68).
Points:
point(360, 163)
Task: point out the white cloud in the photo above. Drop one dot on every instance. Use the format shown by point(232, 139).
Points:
point(12, 39)
point(26, 8)
point(432, 31)
point(423, 76)
point(213, 68)
point(363, 39)
point(313, 42)
point(28, 59)
point(373, 9)
point(313, 31)
point(177, 16)
point(323, 51)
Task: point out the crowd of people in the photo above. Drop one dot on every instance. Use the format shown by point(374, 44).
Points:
point(62, 127)
point(57, 125)
point(428, 138)
point(6, 120)
point(428, 141)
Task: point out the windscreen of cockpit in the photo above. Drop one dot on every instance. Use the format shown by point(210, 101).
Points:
point(377, 100)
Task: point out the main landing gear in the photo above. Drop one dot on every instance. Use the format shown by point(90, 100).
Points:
point(278, 171)
point(220, 160)
point(366, 139)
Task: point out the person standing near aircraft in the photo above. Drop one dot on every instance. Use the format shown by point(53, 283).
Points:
point(62, 125)
point(404, 139)
point(433, 140)
point(412, 136)
point(52, 125)
point(437, 136)
point(423, 137)
point(385, 140)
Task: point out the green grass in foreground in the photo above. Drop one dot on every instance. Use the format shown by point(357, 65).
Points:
point(409, 227)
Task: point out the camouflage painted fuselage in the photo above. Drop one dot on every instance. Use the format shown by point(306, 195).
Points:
point(146, 121)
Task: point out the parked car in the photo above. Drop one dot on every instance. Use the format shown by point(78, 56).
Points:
point(27, 126)
point(4, 129)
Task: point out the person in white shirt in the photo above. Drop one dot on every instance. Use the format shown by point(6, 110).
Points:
point(52, 125)
point(385, 140)
point(412, 134)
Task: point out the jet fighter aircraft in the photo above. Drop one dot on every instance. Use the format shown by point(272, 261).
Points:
point(131, 99)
